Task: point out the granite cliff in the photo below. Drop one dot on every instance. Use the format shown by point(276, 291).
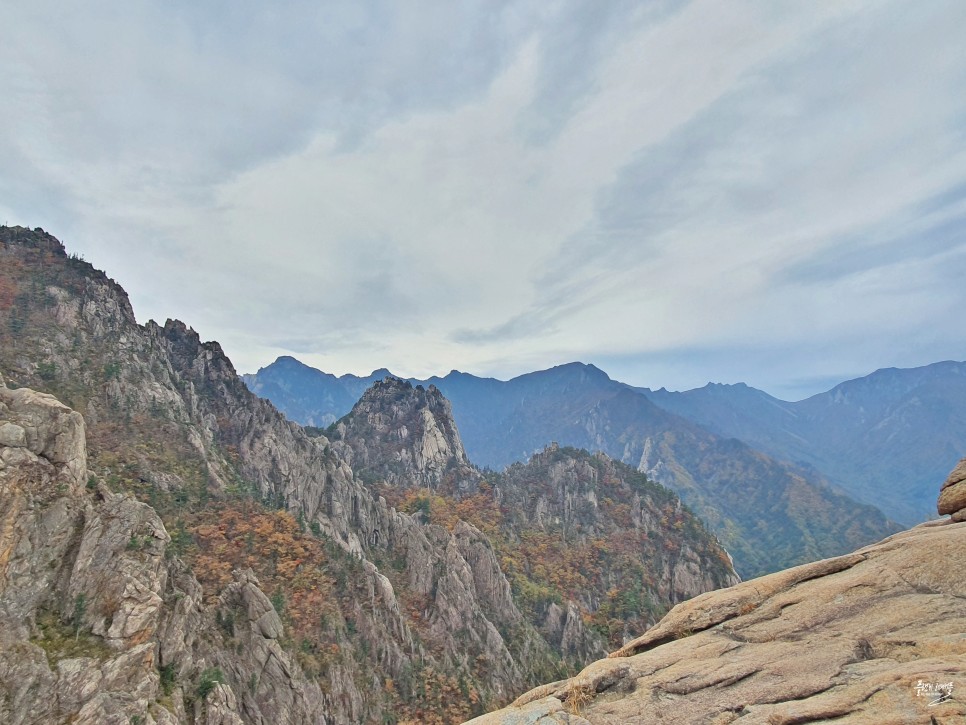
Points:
point(97, 624)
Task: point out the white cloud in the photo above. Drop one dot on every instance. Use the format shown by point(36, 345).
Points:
point(499, 187)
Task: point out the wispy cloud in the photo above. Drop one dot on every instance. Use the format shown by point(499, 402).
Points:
point(691, 190)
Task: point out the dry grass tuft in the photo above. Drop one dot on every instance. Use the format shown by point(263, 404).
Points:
point(577, 697)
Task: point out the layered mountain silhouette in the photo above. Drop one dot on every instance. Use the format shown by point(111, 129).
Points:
point(769, 514)
point(885, 438)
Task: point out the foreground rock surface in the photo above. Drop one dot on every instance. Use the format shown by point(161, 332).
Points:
point(862, 637)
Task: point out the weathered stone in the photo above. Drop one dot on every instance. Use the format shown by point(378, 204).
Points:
point(19, 457)
point(51, 430)
point(957, 475)
point(952, 499)
point(120, 570)
point(548, 711)
point(257, 608)
point(221, 707)
point(12, 435)
point(850, 637)
point(952, 495)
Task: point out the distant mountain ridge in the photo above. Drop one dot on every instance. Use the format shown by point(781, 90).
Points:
point(885, 438)
point(882, 438)
point(768, 514)
point(311, 396)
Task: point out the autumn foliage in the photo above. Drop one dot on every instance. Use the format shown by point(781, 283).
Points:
point(232, 535)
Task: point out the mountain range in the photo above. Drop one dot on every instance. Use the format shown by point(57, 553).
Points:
point(174, 550)
point(768, 513)
point(884, 439)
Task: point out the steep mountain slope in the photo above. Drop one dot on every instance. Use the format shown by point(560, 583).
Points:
point(767, 513)
point(98, 622)
point(583, 539)
point(249, 571)
point(884, 438)
point(170, 422)
point(875, 636)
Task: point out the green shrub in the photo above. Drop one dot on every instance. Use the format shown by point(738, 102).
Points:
point(209, 678)
point(80, 609)
point(47, 371)
point(167, 673)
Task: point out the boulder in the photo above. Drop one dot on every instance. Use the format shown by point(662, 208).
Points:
point(42, 425)
point(952, 495)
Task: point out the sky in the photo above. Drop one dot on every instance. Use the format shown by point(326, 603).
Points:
point(677, 192)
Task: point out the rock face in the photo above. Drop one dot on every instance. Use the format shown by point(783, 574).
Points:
point(404, 436)
point(38, 428)
point(875, 636)
point(97, 624)
point(585, 540)
point(952, 497)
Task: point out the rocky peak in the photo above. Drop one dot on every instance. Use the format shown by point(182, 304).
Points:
point(186, 345)
point(404, 435)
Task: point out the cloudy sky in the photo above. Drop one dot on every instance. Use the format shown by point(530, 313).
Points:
point(769, 192)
